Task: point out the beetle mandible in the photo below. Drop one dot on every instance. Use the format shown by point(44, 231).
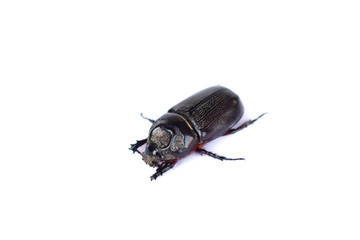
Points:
point(202, 117)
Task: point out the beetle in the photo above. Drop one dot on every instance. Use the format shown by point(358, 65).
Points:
point(186, 127)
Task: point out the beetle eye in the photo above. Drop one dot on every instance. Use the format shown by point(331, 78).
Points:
point(161, 137)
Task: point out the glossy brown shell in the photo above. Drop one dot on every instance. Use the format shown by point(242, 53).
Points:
point(212, 112)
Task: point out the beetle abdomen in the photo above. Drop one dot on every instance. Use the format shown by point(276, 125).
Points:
point(212, 111)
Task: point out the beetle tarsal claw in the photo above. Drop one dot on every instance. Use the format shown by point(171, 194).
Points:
point(134, 147)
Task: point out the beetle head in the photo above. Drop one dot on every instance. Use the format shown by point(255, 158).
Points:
point(171, 137)
point(157, 143)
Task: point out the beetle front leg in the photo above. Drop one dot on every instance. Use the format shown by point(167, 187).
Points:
point(135, 146)
point(162, 168)
point(244, 125)
point(214, 155)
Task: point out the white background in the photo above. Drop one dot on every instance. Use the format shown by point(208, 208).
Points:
point(75, 75)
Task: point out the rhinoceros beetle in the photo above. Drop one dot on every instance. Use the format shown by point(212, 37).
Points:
point(190, 124)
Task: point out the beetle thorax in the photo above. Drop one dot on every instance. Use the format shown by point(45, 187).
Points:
point(171, 137)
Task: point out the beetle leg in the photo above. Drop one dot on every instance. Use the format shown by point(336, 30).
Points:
point(135, 146)
point(214, 155)
point(162, 168)
point(244, 125)
point(152, 121)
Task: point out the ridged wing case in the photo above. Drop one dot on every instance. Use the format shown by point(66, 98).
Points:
point(212, 112)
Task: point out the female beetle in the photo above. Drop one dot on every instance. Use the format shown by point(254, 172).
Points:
point(199, 119)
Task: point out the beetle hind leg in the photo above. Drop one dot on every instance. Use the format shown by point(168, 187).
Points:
point(244, 125)
point(214, 155)
point(134, 147)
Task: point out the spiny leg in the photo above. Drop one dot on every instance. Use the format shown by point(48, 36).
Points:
point(152, 121)
point(244, 125)
point(214, 155)
point(162, 168)
point(135, 146)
